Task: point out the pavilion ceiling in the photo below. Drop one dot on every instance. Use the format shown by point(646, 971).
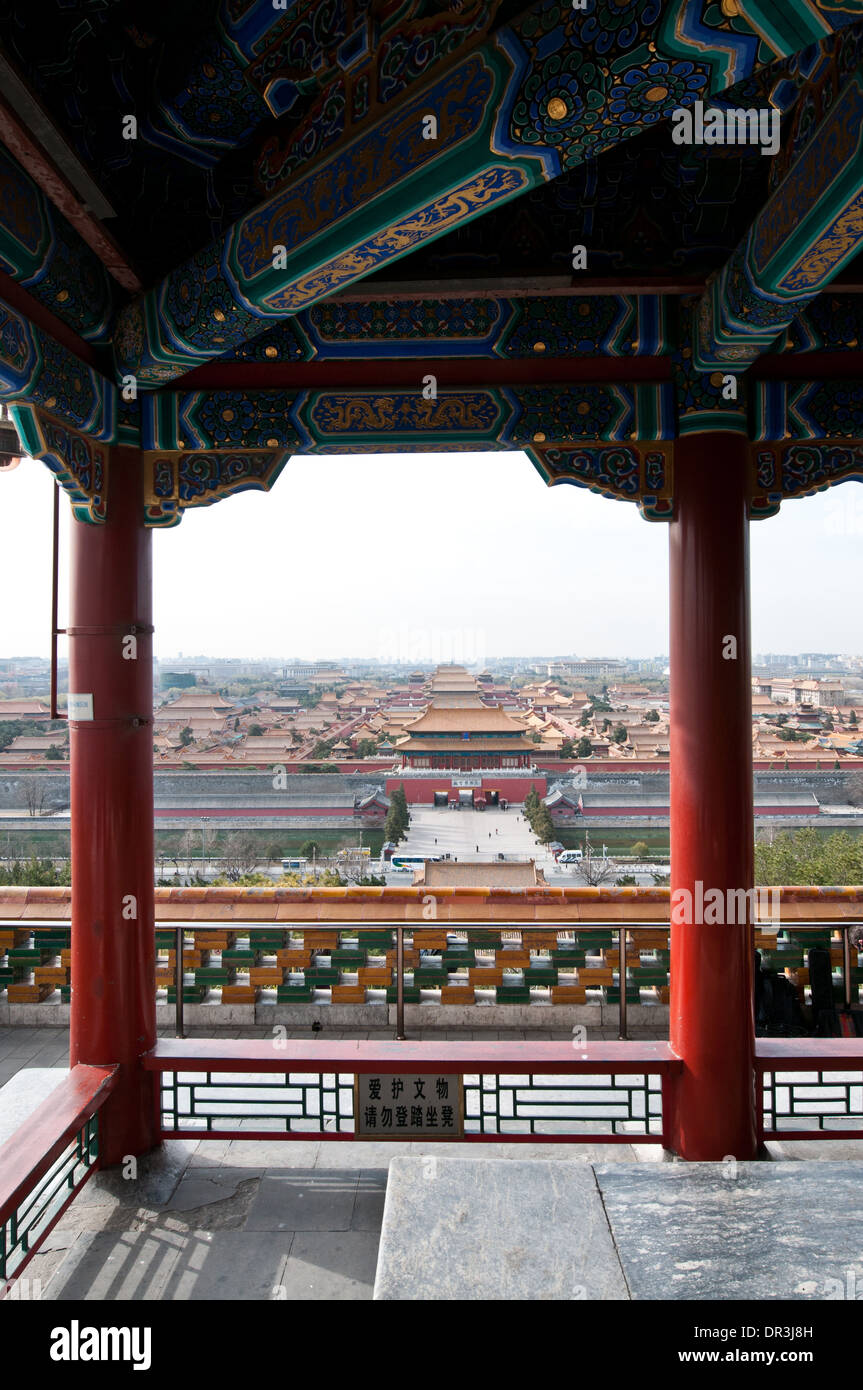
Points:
point(290, 225)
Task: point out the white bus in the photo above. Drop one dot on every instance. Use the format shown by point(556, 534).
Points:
point(407, 863)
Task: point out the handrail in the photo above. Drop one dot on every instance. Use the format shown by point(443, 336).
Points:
point(363, 1055)
point(34, 1147)
point(539, 903)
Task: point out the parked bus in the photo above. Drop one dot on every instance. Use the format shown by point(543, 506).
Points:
point(294, 866)
point(407, 863)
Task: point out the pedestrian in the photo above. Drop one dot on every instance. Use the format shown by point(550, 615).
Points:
point(477, 849)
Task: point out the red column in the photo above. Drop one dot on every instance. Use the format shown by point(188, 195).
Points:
point(113, 944)
point(712, 830)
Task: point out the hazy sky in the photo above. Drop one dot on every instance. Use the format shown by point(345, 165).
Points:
point(428, 558)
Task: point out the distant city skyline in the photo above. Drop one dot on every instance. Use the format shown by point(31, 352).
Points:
point(422, 559)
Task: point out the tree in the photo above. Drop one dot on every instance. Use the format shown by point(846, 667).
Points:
point(619, 734)
point(584, 747)
point(240, 856)
point(53, 754)
point(640, 849)
point(186, 736)
point(255, 730)
point(394, 828)
point(854, 787)
point(652, 716)
point(805, 857)
point(323, 748)
point(852, 719)
point(566, 749)
point(536, 736)
point(400, 801)
point(542, 825)
point(366, 748)
point(594, 870)
point(626, 881)
point(310, 849)
point(34, 790)
point(236, 724)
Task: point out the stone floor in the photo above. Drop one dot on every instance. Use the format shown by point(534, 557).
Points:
point(252, 1220)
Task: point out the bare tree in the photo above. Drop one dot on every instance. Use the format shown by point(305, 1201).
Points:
point(854, 787)
point(240, 857)
point(593, 870)
point(34, 790)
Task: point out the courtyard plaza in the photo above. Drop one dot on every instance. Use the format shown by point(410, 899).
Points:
point(468, 834)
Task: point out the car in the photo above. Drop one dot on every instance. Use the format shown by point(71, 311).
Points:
point(570, 856)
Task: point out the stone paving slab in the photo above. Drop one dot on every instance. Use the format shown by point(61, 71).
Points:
point(331, 1266)
point(754, 1231)
point(119, 1266)
point(229, 1266)
point(457, 1229)
point(304, 1200)
point(198, 1187)
point(371, 1194)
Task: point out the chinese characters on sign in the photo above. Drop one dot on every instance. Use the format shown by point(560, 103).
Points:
point(408, 1106)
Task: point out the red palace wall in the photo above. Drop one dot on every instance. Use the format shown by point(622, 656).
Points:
point(649, 812)
point(420, 790)
point(264, 812)
point(556, 769)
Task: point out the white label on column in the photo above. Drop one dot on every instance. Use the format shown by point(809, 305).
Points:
point(80, 707)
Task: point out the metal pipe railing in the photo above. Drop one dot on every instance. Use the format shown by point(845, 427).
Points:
point(496, 928)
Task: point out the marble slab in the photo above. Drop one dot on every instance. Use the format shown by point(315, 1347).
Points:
point(755, 1231)
point(24, 1093)
point(474, 1228)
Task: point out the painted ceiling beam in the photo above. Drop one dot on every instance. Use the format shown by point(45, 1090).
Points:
point(554, 88)
point(36, 370)
point(503, 327)
point(27, 149)
point(808, 231)
point(42, 251)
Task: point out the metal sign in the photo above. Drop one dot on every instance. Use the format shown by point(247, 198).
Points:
point(409, 1105)
point(79, 707)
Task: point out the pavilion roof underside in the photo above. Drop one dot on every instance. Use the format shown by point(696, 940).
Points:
point(243, 211)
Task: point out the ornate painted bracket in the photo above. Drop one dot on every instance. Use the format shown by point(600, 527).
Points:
point(790, 469)
point(79, 462)
point(640, 473)
point(175, 481)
